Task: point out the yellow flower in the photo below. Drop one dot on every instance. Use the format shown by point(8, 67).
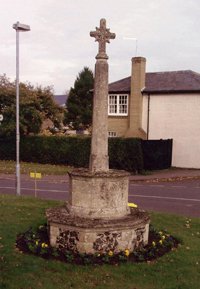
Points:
point(44, 245)
point(36, 243)
point(126, 252)
point(163, 237)
point(110, 253)
point(132, 205)
point(153, 244)
point(160, 242)
point(160, 233)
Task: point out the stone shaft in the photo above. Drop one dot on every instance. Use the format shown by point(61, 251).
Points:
point(99, 146)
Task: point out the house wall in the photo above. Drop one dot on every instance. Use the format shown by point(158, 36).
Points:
point(131, 126)
point(176, 116)
point(118, 124)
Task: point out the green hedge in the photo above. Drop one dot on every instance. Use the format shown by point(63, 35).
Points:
point(129, 154)
point(72, 151)
point(7, 148)
point(124, 154)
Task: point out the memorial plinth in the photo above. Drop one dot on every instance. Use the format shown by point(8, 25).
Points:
point(98, 195)
point(96, 217)
point(100, 235)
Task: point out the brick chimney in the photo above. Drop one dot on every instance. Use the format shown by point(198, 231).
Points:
point(136, 98)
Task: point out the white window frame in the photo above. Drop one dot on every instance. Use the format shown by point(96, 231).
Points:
point(112, 134)
point(116, 99)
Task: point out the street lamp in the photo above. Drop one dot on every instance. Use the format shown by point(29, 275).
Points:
point(19, 28)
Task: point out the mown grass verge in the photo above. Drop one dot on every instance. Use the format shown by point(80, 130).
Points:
point(178, 269)
point(9, 167)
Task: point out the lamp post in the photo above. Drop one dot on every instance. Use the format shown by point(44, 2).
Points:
point(19, 28)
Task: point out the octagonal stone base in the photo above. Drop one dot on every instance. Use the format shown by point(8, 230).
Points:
point(86, 235)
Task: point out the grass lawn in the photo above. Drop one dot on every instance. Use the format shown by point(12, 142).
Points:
point(179, 269)
point(9, 167)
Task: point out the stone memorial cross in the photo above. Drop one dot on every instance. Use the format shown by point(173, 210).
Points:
point(103, 36)
point(96, 217)
point(99, 147)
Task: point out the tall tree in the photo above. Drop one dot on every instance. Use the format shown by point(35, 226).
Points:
point(79, 102)
point(36, 104)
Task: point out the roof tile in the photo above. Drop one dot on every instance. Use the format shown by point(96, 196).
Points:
point(162, 82)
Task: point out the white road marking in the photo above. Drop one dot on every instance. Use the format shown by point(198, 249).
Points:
point(157, 186)
point(166, 198)
point(38, 190)
point(178, 187)
point(162, 186)
point(141, 185)
point(136, 185)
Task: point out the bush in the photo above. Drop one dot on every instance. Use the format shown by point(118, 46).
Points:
point(7, 148)
point(72, 151)
point(131, 154)
point(124, 154)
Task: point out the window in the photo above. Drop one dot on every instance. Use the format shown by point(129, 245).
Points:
point(118, 104)
point(112, 134)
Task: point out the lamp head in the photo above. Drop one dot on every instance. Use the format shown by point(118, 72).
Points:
point(21, 27)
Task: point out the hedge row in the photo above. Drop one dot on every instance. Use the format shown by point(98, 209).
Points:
point(129, 154)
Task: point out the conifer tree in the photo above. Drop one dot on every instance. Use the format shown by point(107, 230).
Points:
point(79, 102)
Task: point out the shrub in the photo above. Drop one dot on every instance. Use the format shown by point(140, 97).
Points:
point(129, 154)
point(72, 151)
point(7, 148)
point(126, 154)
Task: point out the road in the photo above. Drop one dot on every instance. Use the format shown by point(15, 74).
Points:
point(180, 197)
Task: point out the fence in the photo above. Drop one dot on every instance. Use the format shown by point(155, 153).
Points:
point(157, 154)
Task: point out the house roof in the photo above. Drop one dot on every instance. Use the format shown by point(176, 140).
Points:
point(162, 82)
point(60, 99)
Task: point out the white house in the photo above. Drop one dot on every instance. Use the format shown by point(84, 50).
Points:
point(160, 105)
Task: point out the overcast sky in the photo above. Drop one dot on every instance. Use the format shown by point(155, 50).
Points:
point(59, 46)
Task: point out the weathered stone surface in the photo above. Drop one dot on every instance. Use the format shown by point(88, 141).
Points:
point(62, 216)
point(99, 145)
point(95, 195)
point(103, 36)
point(97, 235)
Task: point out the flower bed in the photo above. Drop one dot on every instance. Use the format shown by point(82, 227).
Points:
point(37, 242)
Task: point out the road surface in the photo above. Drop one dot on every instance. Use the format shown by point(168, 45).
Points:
point(180, 197)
